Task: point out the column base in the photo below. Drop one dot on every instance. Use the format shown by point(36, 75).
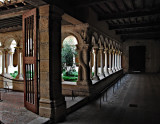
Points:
point(55, 110)
point(102, 75)
point(113, 70)
point(96, 78)
point(110, 70)
point(106, 74)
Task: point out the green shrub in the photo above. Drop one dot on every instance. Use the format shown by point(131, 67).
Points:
point(14, 75)
point(68, 78)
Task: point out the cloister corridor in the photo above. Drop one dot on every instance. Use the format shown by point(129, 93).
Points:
point(79, 61)
point(135, 101)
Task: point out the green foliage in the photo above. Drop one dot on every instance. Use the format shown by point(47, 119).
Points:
point(70, 73)
point(68, 78)
point(14, 75)
point(67, 55)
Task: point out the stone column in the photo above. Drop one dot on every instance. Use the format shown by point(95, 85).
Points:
point(90, 64)
point(6, 60)
point(19, 64)
point(52, 103)
point(118, 60)
point(113, 61)
point(95, 52)
point(101, 63)
point(106, 62)
point(1, 78)
point(84, 82)
point(110, 62)
point(3, 61)
point(21, 70)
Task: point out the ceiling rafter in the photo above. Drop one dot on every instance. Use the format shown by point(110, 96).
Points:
point(137, 31)
point(125, 5)
point(87, 3)
point(125, 26)
point(136, 13)
point(142, 36)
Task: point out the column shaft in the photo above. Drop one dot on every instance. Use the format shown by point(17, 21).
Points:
point(106, 62)
point(101, 62)
point(95, 77)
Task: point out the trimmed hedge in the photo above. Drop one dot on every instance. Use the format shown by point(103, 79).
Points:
point(68, 78)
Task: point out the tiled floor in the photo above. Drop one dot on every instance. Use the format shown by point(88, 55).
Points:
point(12, 110)
point(136, 101)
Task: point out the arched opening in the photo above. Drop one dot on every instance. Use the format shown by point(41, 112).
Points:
point(13, 68)
point(70, 60)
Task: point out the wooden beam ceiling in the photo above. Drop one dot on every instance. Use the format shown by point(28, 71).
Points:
point(136, 25)
point(137, 13)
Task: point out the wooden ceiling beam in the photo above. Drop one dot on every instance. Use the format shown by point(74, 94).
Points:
point(141, 36)
point(36, 3)
point(87, 3)
point(138, 31)
point(126, 26)
point(136, 13)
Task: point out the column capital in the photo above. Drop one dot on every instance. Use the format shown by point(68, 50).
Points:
point(113, 51)
point(82, 47)
point(18, 49)
point(110, 51)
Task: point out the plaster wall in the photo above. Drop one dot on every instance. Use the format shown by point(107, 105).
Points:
point(152, 55)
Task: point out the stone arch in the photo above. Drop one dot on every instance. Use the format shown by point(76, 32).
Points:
point(95, 35)
point(106, 43)
point(101, 41)
point(75, 34)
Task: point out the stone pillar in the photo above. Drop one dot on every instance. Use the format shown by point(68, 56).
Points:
point(118, 60)
point(110, 62)
point(6, 60)
point(19, 64)
point(101, 63)
point(3, 61)
point(90, 64)
point(21, 69)
point(106, 62)
point(116, 65)
point(84, 82)
point(95, 52)
point(113, 61)
point(1, 78)
point(52, 103)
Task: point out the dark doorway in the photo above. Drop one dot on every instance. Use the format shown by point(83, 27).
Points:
point(137, 59)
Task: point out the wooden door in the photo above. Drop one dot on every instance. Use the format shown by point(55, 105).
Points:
point(137, 59)
point(30, 60)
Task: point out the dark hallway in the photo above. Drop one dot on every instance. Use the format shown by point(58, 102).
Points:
point(136, 101)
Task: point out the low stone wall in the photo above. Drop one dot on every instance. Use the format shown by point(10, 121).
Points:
point(18, 85)
point(99, 86)
point(76, 90)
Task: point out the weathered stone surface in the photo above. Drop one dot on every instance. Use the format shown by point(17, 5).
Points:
point(44, 66)
point(44, 51)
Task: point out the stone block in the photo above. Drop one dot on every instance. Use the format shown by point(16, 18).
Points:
point(44, 51)
point(44, 23)
point(44, 66)
point(44, 36)
point(44, 10)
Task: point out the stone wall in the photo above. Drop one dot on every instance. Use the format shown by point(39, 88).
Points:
point(152, 58)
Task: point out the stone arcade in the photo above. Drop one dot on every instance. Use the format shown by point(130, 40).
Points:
point(31, 37)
